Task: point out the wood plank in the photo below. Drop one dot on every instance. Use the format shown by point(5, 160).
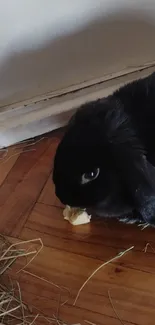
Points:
point(71, 254)
point(49, 220)
point(7, 162)
point(132, 290)
point(140, 260)
point(23, 165)
point(26, 185)
point(48, 196)
point(69, 314)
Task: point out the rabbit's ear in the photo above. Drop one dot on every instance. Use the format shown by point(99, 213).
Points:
point(139, 176)
point(130, 159)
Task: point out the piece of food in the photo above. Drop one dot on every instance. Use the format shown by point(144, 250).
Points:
point(76, 216)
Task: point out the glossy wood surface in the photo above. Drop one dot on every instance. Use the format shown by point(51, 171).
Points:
point(123, 292)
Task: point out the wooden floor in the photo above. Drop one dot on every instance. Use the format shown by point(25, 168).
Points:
point(123, 292)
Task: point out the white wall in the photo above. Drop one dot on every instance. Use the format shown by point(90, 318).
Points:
point(47, 45)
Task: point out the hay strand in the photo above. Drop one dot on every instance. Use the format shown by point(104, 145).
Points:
point(99, 268)
point(28, 253)
point(9, 254)
point(88, 322)
point(143, 225)
point(146, 247)
point(20, 298)
point(21, 255)
point(16, 310)
point(62, 288)
point(33, 321)
point(114, 309)
point(12, 309)
point(15, 154)
point(20, 145)
point(5, 153)
point(32, 143)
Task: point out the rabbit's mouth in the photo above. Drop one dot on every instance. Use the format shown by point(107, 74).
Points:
point(110, 207)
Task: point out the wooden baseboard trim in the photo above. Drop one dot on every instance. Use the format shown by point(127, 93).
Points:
point(29, 120)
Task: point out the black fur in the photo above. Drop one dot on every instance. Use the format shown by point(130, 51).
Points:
point(117, 135)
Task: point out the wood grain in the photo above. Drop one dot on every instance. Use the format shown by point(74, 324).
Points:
point(7, 161)
point(48, 196)
point(25, 188)
point(48, 220)
point(23, 165)
point(29, 209)
point(132, 290)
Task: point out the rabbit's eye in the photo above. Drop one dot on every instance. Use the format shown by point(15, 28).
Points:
point(90, 176)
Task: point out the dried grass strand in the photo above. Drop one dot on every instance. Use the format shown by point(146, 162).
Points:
point(88, 322)
point(9, 311)
point(99, 268)
point(11, 253)
point(18, 244)
point(36, 253)
point(144, 225)
point(20, 255)
point(146, 247)
point(5, 153)
point(7, 265)
point(12, 308)
point(51, 283)
point(7, 308)
point(30, 144)
point(20, 298)
point(34, 319)
point(114, 309)
point(15, 154)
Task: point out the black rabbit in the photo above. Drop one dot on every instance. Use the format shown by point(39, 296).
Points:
point(105, 161)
